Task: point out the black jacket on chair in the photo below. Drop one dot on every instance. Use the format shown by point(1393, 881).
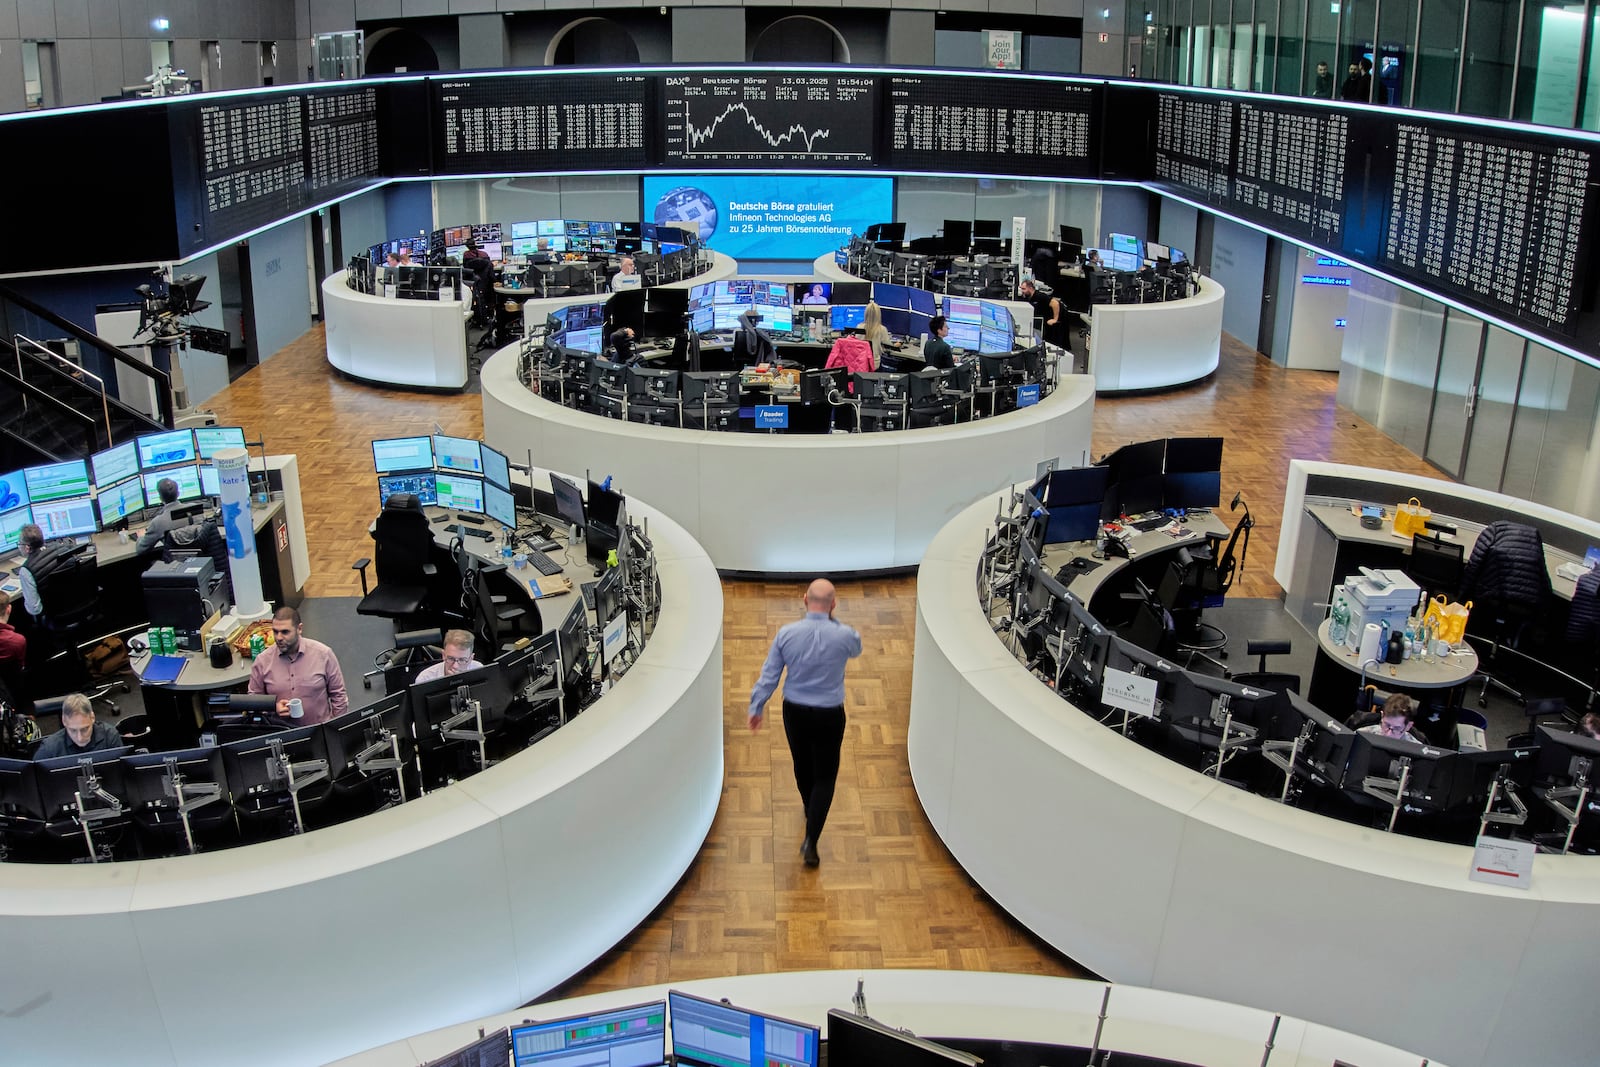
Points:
point(1507, 569)
point(1583, 624)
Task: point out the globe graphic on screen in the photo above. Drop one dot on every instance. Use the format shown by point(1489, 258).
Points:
point(688, 204)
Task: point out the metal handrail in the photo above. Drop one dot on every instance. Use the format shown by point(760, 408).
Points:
point(74, 370)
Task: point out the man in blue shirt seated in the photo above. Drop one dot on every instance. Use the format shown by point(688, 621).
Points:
point(80, 734)
point(815, 651)
point(457, 657)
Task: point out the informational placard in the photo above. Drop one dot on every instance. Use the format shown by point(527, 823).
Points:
point(521, 123)
point(1496, 861)
point(952, 123)
point(764, 119)
point(1132, 693)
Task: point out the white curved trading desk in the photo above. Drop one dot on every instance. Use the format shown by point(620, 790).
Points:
point(417, 343)
point(471, 899)
point(796, 503)
point(975, 1004)
point(1134, 347)
point(1146, 872)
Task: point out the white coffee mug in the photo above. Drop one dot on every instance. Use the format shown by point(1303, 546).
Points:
point(296, 709)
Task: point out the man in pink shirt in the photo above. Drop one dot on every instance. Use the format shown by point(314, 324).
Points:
point(296, 667)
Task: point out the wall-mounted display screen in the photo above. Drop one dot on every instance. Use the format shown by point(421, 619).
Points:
point(992, 124)
point(756, 119)
point(539, 122)
point(769, 216)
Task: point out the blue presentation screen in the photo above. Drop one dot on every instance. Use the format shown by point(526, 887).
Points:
point(765, 216)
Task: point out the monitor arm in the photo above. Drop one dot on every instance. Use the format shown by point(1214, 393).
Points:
point(190, 798)
point(382, 754)
point(464, 708)
point(89, 792)
point(1503, 787)
point(1392, 791)
point(1234, 736)
point(1285, 755)
point(1578, 792)
point(294, 776)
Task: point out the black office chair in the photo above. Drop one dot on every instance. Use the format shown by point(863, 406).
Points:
point(1214, 577)
point(1435, 564)
point(1261, 678)
point(68, 580)
point(497, 623)
point(1509, 588)
point(402, 542)
point(1152, 627)
point(1180, 593)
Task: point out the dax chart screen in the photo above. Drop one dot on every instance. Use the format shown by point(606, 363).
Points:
point(741, 120)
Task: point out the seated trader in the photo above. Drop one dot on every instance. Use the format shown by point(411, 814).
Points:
point(872, 327)
point(150, 537)
point(937, 352)
point(622, 345)
point(295, 666)
point(457, 657)
point(1589, 724)
point(1394, 720)
point(627, 276)
point(13, 646)
point(80, 734)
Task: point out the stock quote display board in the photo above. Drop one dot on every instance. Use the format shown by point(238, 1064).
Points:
point(261, 157)
point(539, 122)
point(992, 124)
point(1278, 164)
point(769, 119)
point(1496, 219)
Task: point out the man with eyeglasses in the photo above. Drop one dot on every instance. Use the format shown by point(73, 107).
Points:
point(297, 668)
point(457, 657)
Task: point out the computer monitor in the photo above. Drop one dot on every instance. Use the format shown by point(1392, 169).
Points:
point(117, 502)
point(621, 1037)
point(1137, 482)
point(251, 763)
point(496, 468)
point(888, 296)
point(1129, 244)
point(706, 1033)
point(1429, 783)
point(1124, 655)
point(1042, 593)
point(924, 302)
point(491, 1050)
point(1193, 472)
point(957, 233)
point(457, 454)
point(352, 733)
point(166, 448)
point(569, 501)
point(19, 796)
point(115, 464)
point(859, 1041)
point(1086, 646)
point(421, 484)
point(11, 524)
point(852, 292)
point(209, 440)
point(210, 481)
point(813, 294)
point(393, 455)
point(992, 341)
point(986, 228)
point(703, 319)
point(544, 503)
point(1562, 754)
point(500, 505)
point(846, 316)
point(1157, 251)
point(459, 492)
point(649, 385)
point(897, 321)
point(1197, 708)
point(56, 481)
point(187, 479)
point(963, 309)
point(13, 490)
point(1322, 760)
point(608, 596)
point(432, 703)
point(573, 636)
point(67, 518)
point(145, 780)
point(57, 779)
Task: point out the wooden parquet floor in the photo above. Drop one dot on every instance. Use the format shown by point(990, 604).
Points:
point(888, 894)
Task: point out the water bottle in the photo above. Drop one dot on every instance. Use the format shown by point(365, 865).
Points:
point(1340, 625)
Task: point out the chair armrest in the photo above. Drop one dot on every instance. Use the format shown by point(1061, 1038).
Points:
point(361, 565)
point(428, 569)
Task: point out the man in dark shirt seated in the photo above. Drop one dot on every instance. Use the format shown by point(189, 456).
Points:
point(622, 345)
point(80, 734)
point(13, 646)
point(937, 353)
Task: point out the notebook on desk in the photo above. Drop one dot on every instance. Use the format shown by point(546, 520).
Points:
point(162, 670)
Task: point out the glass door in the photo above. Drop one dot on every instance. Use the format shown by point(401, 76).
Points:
point(1454, 392)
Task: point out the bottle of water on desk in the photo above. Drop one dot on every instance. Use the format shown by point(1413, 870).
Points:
point(1340, 625)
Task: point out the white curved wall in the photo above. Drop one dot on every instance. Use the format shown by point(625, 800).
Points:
point(1149, 873)
point(420, 343)
point(794, 503)
point(472, 899)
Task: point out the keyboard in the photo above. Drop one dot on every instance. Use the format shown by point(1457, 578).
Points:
point(543, 563)
point(1146, 525)
point(469, 531)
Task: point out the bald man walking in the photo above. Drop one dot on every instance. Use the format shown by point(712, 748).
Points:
point(814, 650)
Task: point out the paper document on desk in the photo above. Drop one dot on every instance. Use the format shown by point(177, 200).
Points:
point(550, 586)
point(1497, 861)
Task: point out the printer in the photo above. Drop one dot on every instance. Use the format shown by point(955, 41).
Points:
point(183, 594)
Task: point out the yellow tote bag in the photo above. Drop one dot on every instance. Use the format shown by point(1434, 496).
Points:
point(1411, 518)
point(1453, 622)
